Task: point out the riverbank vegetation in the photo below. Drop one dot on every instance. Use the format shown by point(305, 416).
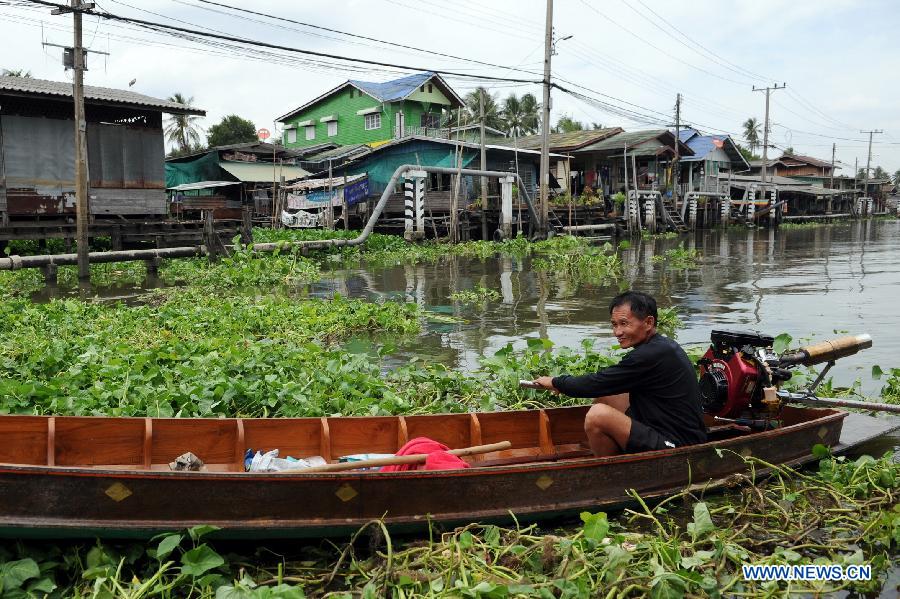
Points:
point(242, 338)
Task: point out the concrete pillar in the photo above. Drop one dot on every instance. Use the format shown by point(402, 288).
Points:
point(751, 202)
point(650, 215)
point(420, 207)
point(414, 204)
point(632, 212)
point(153, 265)
point(51, 275)
point(772, 215)
point(724, 211)
point(692, 212)
point(116, 239)
point(506, 211)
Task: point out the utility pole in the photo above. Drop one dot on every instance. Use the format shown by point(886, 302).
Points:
point(675, 166)
point(81, 174)
point(765, 159)
point(544, 227)
point(869, 160)
point(484, 192)
point(831, 184)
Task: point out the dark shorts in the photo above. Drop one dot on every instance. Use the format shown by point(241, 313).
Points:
point(645, 438)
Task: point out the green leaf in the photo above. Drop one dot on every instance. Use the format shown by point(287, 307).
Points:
point(702, 523)
point(876, 371)
point(539, 344)
point(466, 540)
point(782, 342)
point(667, 586)
point(200, 560)
point(820, 452)
point(42, 586)
point(167, 545)
point(486, 590)
point(595, 525)
point(14, 574)
point(492, 536)
point(370, 591)
point(201, 530)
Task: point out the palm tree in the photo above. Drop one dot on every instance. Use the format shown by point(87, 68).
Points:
point(183, 130)
point(15, 73)
point(521, 115)
point(492, 116)
point(751, 133)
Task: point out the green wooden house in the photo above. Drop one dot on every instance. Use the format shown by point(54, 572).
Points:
point(358, 112)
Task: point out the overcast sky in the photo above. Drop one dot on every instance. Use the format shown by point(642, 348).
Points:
point(838, 58)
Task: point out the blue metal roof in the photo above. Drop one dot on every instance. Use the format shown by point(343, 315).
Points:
point(686, 134)
point(391, 91)
point(703, 145)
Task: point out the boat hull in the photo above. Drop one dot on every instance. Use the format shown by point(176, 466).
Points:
point(66, 502)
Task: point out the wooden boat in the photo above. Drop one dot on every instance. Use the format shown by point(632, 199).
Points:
point(109, 477)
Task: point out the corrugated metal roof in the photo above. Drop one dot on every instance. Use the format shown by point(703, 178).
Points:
point(702, 145)
point(202, 185)
point(28, 86)
point(397, 89)
point(804, 159)
point(562, 142)
point(338, 152)
point(261, 172)
point(685, 134)
point(633, 139)
point(387, 91)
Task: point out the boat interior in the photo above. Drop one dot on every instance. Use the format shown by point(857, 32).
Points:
point(152, 443)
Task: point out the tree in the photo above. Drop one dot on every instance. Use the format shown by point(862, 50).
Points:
point(15, 73)
point(183, 130)
point(567, 124)
point(520, 115)
point(880, 173)
point(789, 151)
point(751, 133)
point(178, 152)
point(747, 154)
point(897, 177)
point(232, 130)
point(472, 112)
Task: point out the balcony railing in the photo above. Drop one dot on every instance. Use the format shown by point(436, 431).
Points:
point(409, 131)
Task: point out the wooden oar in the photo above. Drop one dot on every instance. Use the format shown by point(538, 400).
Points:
point(417, 458)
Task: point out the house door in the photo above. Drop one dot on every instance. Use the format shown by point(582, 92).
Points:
point(399, 122)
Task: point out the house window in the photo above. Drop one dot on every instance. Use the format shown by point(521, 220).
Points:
point(310, 132)
point(373, 121)
point(430, 120)
point(351, 92)
point(430, 89)
point(332, 128)
point(421, 89)
point(291, 136)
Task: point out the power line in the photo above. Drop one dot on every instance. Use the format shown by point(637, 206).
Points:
point(682, 42)
point(153, 25)
point(693, 41)
point(655, 47)
point(365, 37)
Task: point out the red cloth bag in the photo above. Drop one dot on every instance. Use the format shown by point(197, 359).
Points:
point(436, 458)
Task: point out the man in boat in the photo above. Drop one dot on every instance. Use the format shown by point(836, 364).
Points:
point(650, 400)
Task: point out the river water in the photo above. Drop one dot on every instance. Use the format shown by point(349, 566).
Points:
point(812, 282)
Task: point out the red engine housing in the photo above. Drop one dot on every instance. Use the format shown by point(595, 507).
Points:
point(727, 386)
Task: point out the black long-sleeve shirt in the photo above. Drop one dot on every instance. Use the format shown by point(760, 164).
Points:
point(662, 385)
